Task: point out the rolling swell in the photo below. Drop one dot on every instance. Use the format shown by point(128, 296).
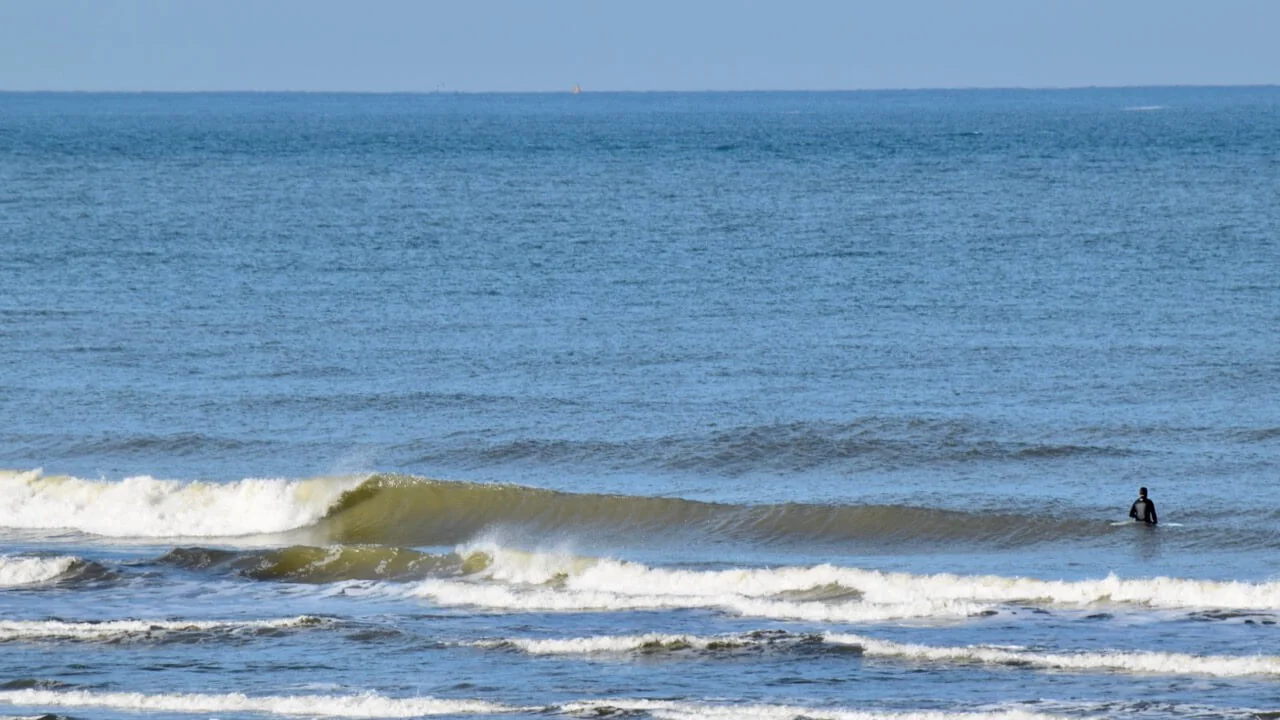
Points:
point(406, 510)
point(871, 443)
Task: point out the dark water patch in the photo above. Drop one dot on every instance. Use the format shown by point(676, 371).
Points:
point(178, 444)
point(309, 564)
point(35, 684)
point(1259, 435)
point(1245, 616)
point(87, 574)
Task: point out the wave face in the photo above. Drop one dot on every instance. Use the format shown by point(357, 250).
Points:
point(405, 510)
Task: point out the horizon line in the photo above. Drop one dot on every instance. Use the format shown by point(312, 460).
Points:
point(570, 90)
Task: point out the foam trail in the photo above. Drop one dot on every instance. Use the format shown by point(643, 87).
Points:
point(147, 507)
point(110, 630)
point(18, 571)
point(368, 705)
point(668, 710)
point(590, 575)
point(1137, 662)
point(543, 599)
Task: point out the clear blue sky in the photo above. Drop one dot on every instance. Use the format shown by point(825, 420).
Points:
point(509, 45)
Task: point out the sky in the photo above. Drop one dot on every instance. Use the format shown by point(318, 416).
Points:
point(636, 45)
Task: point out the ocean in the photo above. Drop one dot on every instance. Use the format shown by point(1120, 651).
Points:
point(783, 406)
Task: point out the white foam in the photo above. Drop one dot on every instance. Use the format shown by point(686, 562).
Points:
point(588, 575)
point(1137, 662)
point(367, 705)
point(16, 571)
point(146, 507)
point(11, 630)
point(610, 644)
point(668, 710)
point(543, 598)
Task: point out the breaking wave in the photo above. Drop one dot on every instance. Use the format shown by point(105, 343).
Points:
point(19, 571)
point(406, 510)
point(147, 507)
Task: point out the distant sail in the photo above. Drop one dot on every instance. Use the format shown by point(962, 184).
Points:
point(576, 89)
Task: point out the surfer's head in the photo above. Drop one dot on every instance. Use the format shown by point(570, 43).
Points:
point(1142, 492)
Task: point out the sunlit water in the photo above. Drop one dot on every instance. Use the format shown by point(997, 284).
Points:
point(657, 406)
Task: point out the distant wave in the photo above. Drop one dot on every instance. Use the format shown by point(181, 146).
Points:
point(1145, 108)
point(154, 630)
point(409, 511)
point(1105, 660)
point(867, 443)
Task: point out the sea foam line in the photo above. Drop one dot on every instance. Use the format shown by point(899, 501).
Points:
point(373, 705)
point(547, 599)
point(1110, 660)
point(146, 507)
point(669, 710)
point(366, 705)
point(16, 571)
point(596, 575)
point(19, 630)
point(1137, 662)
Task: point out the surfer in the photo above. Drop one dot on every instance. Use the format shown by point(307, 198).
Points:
point(1143, 510)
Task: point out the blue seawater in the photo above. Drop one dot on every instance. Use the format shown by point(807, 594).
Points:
point(668, 406)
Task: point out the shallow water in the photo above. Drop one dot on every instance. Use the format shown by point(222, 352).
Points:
point(663, 406)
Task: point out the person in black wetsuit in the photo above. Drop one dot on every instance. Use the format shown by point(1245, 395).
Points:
point(1143, 510)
